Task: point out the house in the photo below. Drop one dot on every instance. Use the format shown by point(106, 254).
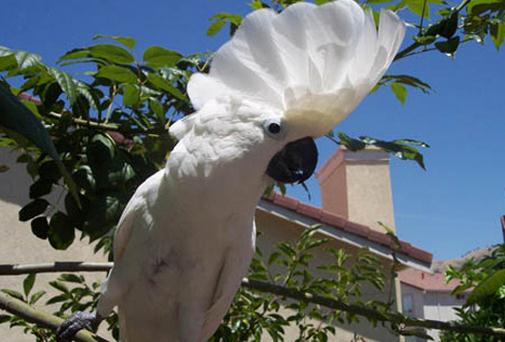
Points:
point(356, 193)
point(426, 295)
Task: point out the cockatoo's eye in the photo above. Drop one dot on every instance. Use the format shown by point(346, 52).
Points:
point(273, 127)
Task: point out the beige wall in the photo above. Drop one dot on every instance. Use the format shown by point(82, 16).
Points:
point(19, 245)
point(275, 230)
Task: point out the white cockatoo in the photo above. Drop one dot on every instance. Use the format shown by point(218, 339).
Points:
point(187, 236)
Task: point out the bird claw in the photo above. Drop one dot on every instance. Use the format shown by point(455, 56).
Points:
point(77, 321)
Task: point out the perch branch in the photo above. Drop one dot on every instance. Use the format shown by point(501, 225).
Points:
point(64, 266)
point(41, 318)
point(360, 310)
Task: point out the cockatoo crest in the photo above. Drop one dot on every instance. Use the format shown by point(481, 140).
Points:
point(311, 63)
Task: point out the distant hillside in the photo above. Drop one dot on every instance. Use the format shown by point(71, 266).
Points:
point(477, 254)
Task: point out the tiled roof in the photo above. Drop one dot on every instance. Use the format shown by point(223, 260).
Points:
point(426, 281)
point(342, 223)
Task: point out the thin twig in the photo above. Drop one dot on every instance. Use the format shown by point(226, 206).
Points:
point(41, 318)
point(262, 286)
point(104, 126)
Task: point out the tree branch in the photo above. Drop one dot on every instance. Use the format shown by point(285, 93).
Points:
point(105, 126)
point(262, 286)
point(65, 266)
point(41, 318)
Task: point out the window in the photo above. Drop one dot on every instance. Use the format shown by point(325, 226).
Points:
point(408, 304)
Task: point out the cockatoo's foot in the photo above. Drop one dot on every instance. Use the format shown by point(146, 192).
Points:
point(79, 320)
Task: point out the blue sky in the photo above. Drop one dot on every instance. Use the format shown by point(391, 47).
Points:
point(449, 209)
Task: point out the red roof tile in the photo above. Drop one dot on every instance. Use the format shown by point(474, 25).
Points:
point(342, 223)
point(426, 281)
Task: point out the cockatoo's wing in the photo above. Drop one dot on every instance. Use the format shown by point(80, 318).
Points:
point(317, 59)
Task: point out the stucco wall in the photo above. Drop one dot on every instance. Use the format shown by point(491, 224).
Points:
point(369, 193)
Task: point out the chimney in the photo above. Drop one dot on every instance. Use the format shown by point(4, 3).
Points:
point(357, 186)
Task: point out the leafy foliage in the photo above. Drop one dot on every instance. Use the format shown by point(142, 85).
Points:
point(405, 149)
point(485, 306)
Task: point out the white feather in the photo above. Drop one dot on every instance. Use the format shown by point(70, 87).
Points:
point(320, 60)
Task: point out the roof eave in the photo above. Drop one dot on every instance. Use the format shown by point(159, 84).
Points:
point(343, 235)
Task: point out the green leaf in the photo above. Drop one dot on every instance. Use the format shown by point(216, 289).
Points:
point(215, 27)
point(32, 209)
point(131, 95)
point(25, 60)
point(445, 27)
point(72, 278)
point(57, 299)
point(400, 148)
point(487, 287)
point(66, 83)
point(477, 7)
point(40, 188)
point(111, 53)
point(497, 31)
point(220, 19)
point(89, 94)
point(36, 296)
point(117, 73)
point(424, 39)
point(5, 318)
point(156, 57)
point(28, 284)
point(449, 46)
point(61, 232)
point(391, 233)
point(102, 215)
point(157, 109)
point(13, 293)
point(407, 80)
point(78, 53)
point(126, 41)
point(8, 62)
point(83, 176)
point(48, 170)
point(164, 85)
point(416, 6)
point(400, 91)
point(101, 150)
point(351, 143)
point(40, 227)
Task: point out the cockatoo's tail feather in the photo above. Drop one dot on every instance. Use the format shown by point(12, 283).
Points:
point(306, 61)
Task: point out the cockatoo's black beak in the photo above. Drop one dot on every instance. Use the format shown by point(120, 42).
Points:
point(296, 162)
